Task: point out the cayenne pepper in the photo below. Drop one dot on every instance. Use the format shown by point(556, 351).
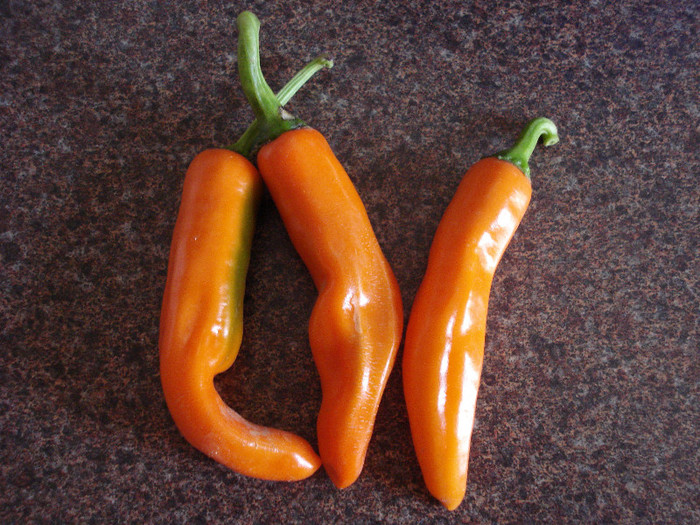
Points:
point(444, 347)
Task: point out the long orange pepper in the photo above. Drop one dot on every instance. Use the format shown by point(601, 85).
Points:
point(202, 314)
point(202, 317)
point(444, 346)
point(357, 322)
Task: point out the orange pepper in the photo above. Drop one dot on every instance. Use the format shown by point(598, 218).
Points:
point(357, 322)
point(202, 314)
point(202, 318)
point(444, 348)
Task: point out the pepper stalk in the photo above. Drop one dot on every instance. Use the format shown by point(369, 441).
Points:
point(520, 153)
point(271, 119)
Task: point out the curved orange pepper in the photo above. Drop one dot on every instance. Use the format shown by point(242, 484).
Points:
point(202, 320)
point(444, 347)
point(202, 314)
point(357, 322)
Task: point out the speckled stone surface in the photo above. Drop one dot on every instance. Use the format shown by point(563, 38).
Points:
point(588, 409)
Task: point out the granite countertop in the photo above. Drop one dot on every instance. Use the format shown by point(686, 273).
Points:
point(588, 407)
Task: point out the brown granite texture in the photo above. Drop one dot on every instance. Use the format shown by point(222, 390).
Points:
point(588, 410)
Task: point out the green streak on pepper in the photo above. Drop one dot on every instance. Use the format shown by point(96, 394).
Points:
point(239, 269)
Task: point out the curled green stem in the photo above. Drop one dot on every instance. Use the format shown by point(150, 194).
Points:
point(520, 153)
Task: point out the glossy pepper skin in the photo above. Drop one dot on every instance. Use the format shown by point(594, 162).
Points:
point(202, 319)
point(444, 347)
point(357, 322)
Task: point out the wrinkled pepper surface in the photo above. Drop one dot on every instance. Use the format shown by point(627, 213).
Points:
point(357, 322)
point(444, 347)
point(202, 314)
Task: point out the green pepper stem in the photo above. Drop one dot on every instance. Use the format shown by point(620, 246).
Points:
point(285, 94)
point(260, 97)
point(520, 153)
point(246, 144)
point(271, 120)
